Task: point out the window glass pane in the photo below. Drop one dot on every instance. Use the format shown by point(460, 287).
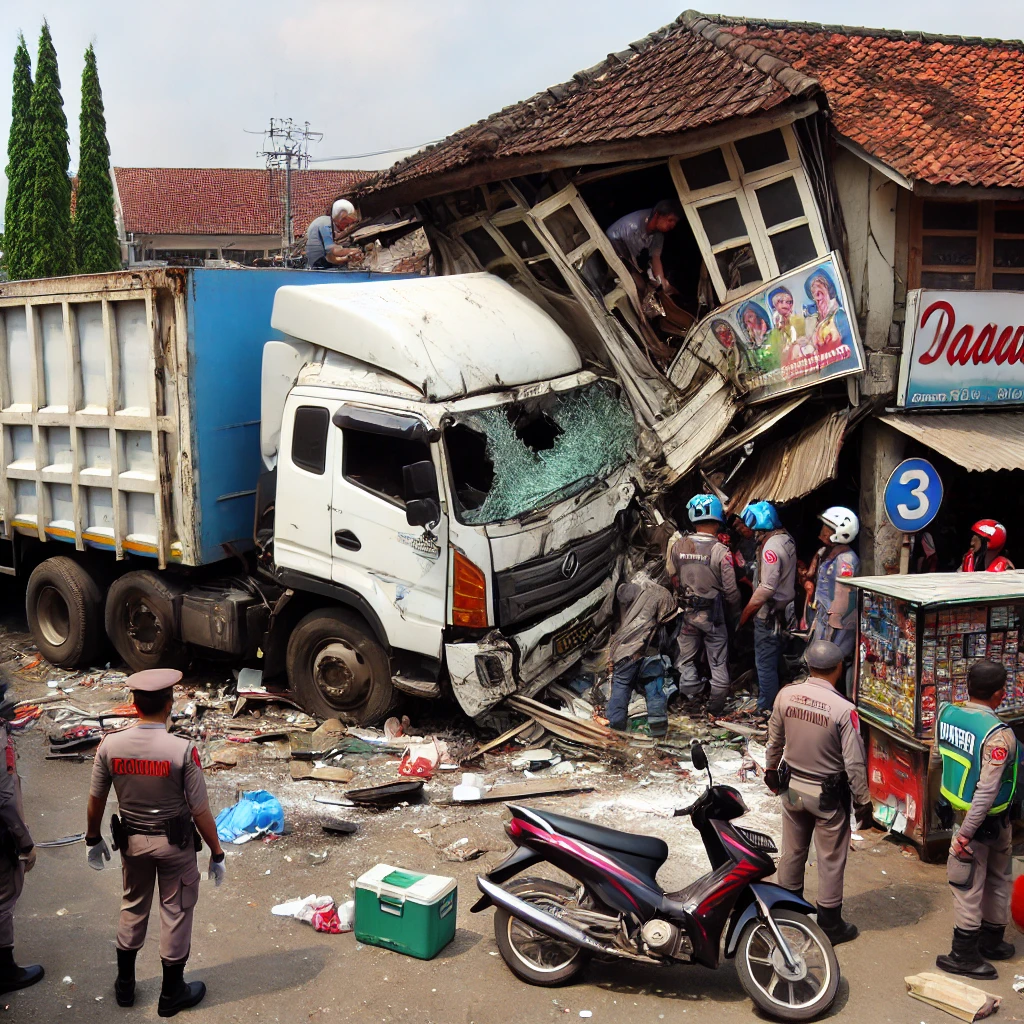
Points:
point(760, 151)
point(722, 221)
point(955, 282)
point(309, 438)
point(704, 170)
point(567, 228)
point(522, 239)
point(948, 250)
point(779, 202)
point(793, 247)
point(376, 462)
point(950, 216)
point(1008, 282)
point(485, 247)
point(738, 266)
point(1008, 252)
point(1010, 220)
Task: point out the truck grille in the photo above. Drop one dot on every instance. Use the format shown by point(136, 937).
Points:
point(531, 590)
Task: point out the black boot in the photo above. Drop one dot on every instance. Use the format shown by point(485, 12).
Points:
point(178, 994)
point(965, 957)
point(13, 977)
point(991, 945)
point(830, 921)
point(124, 986)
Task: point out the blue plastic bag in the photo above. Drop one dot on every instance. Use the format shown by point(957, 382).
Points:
point(256, 812)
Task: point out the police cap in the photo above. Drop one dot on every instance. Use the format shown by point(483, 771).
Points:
point(823, 655)
point(153, 679)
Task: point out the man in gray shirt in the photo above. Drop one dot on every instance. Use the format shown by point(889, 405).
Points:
point(639, 237)
point(321, 251)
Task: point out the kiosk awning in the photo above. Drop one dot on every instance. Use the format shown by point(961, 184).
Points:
point(975, 440)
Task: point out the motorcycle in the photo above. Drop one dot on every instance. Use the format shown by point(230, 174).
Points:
point(547, 930)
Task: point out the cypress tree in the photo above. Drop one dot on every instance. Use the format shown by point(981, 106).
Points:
point(51, 244)
point(20, 179)
point(96, 245)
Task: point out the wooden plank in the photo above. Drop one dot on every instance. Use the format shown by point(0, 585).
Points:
point(510, 734)
point(302, 770)
point(955, 997)
point(535, 787)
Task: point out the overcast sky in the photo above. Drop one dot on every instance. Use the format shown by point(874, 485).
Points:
point(183, 81)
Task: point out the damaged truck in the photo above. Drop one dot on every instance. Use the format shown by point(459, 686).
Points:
point(367, 486)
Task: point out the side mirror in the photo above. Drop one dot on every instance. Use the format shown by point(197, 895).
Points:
point(422, 512)
point(697, 755)
point(419, 480)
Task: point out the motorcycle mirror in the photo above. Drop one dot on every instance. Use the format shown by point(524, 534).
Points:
point(697, 755)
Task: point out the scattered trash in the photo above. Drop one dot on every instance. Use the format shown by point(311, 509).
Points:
point(340, 828)
point(323, 773)
point(79, 837)
point(319, 911)
point(420, 759)
point(586, 1013)
point(388, 795)
point(536, 787)
point(1018, 983)
point(955, 997)
point(471, 788)
point(256, 812)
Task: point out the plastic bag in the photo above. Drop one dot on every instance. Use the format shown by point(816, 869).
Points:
point(255, 813)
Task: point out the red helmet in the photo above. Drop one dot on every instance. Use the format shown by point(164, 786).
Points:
point(992, 532)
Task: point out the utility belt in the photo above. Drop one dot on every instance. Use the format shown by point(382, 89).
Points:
point(693, 603)
point(180, 831)
point(835, 789)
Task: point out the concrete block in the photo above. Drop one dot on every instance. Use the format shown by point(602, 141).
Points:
point(881, 375)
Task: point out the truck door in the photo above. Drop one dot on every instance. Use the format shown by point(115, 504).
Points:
point(382, 461)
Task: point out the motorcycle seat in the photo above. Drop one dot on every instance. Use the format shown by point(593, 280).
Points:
point(645, 847)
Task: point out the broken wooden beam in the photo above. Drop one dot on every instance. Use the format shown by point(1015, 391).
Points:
point(535, 787)
point(955, 997)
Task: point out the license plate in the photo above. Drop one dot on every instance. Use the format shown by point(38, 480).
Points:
point(573, 636)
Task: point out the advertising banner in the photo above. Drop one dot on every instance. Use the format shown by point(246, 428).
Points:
point(797, 331)
point(962, 349)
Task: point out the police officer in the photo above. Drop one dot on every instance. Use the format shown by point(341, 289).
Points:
point(817, 731)
point(160, 793)
point(701, 567)
point(17, 856)
point(979, 778)
point(774, 591)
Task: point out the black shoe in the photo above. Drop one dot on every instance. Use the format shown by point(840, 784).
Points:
point(124, 986)
point(965, 958)
point(991, 945)
point(178, 994)
point(837, 931)
point(13, 977)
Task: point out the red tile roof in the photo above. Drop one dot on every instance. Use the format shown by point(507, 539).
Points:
point(946, 110)
point(672, 81)
point(224, 200)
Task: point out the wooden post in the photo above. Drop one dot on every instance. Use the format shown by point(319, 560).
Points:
point(905, 548)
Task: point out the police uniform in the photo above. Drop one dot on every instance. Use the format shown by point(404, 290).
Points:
point(703, 566)
point(817, 730)
point(978, 752)
point(835, 603)
point(775, 581)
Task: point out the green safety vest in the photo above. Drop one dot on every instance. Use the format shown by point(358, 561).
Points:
point(961, 733)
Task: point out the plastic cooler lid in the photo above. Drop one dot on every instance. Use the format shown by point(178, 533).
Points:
point(398, 883)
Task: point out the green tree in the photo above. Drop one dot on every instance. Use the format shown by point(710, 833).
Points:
point(52, 250)
point(20, 179)
point(96, 245)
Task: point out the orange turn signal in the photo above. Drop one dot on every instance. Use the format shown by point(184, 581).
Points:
point(469, 601)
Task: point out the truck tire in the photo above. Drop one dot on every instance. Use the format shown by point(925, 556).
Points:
point(337, 669)
point(64, 606)
point(142, 624)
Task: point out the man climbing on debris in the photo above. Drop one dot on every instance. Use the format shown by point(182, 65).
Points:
point(639, 238)
point(635, 652)
point(978, 751)
point(701, 567)
point(322, 251)
point(816, 731)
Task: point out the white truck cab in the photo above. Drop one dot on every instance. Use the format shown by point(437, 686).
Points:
point(445, 472)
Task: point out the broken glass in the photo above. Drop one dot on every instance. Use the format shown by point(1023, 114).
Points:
point(520, 457)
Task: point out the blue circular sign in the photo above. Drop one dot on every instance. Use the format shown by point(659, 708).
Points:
point(913, 495)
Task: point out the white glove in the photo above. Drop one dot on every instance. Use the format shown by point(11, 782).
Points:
point(98, 852)
point(217, 872)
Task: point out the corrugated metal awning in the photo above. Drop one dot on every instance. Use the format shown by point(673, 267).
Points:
point(934, 588)
point(767, 420)
point(795, 466)
point(975, 440)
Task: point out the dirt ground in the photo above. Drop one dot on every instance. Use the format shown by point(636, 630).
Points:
point(263, 968)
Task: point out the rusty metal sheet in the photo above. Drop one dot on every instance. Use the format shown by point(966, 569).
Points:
point(975, 440)
point(703, 418)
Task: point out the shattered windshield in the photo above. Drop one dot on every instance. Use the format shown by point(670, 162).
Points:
point(515, 458)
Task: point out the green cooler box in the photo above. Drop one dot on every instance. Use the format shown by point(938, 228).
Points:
point(406, 911)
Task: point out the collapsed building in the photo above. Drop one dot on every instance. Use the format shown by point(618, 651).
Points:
point(827, 174)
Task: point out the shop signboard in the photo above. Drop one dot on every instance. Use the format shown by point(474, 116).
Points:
point(962, 349)
point(794, 332)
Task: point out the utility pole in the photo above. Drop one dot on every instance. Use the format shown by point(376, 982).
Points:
point(286, 146)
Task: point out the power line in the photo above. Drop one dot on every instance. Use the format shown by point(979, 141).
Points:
point(379, 152)
point(287, 143)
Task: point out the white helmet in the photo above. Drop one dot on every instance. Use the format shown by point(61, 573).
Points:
point(844, 522)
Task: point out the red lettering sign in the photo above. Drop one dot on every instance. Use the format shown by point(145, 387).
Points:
point(990, 344)
point(138, 766)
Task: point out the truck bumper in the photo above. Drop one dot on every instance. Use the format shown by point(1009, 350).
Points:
point(484, 672)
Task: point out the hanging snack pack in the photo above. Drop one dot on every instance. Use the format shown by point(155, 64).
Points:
point(406, 911)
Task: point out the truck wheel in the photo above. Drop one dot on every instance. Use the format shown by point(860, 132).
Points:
point(141, 622)
point(338, 670)
point(64, 605)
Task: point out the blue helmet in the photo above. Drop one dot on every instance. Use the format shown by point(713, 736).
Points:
point(761, 515)
point(705, 507)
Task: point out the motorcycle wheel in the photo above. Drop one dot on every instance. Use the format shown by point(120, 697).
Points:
point(531, 955)
point(788, 995)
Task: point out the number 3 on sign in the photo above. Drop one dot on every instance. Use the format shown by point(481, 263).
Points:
point(913, 495)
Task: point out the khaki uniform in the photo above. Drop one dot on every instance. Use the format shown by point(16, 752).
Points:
point(818, 732)
point(12, 820)
point(157, 778)
point(775, 584)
